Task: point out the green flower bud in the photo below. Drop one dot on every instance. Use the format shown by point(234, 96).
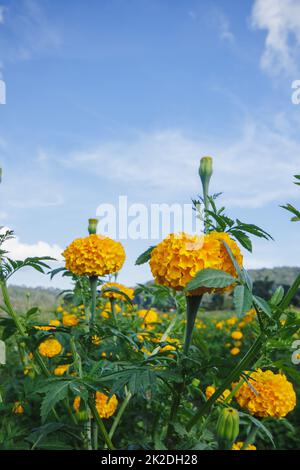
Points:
point(82, 415)
point(196, 383)
point(228, 425)
point(92, 228)
point(206, 169)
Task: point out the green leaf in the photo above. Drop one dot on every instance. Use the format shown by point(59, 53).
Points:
point(242, 299)
point(262, 305)
point(145, 257)
point(277, 296)
point(212, 278)
point(243, 239)
point(56, 392)
point(234, 262)
point(118, 291)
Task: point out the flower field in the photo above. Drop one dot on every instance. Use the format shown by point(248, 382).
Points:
point(147, 367)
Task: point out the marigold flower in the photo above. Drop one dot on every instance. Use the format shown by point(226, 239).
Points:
point(76, 403)
point(267, 395)
point(106, 406)
point(116, 295)
point(61, 369)
point(149, 316)
point(177, 259)
point(18, 408)
point(239, 445)
point(96, 340)
point(70, 320)
point(235, 351)
point(210, 390)
point(50, 347)
point(54, 322)
point(94, 255)
point(236, 335)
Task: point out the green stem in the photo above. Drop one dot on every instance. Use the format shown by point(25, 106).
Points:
point(205, 186)
point(93, 284)
point(113, 311)
point(100, 424)
point(241, 366)
point(120, 414)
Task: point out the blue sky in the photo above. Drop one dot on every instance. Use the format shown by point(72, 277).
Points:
point(123, 97)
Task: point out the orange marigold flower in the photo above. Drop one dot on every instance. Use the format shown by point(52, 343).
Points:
point(70, 320)
point(61, 369)
point(235, 351)
point(210, 390)
point(149, 316)
point(177, 259)
point(106, 406)
point(94, 255)
point(18, 408)
point(117, 295)
point(267, 394)
point(76, 403)
point(50, 347)
point(44, 328)
point(54, 322)
point(239, 445)
point(236, 335)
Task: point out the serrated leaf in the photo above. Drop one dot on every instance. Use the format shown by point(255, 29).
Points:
point(56, 393)
point(262, 305)
point(242, 299)
point(211, 278)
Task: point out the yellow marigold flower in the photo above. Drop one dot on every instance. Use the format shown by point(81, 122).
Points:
point(219, 325)
point(94, 255)
point(116, 295)
point(70, 320)
point(176, 260)
point(210, 390)
point(107, 310)
point(96, 340)
point(54, 322)
point(235, 351)
point(50, 347)
point(269, 394)
point(231, 321)
point(76, 403)
point(59, 309)
point(106, 406)
point(60, 370)
point(236, 335)
point(239, 445)
point(18, 408)
point(149, 316)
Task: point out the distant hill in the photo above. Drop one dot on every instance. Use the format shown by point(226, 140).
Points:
point(284, 275)
point(47, 298)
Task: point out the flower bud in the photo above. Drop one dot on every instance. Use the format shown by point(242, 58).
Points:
point(228, 425)
point(92, 228)
point(206, 169)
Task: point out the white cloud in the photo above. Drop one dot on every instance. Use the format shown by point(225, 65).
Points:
point(281, 19)
point(254, 169)
point(19, 250)
point(224, 26)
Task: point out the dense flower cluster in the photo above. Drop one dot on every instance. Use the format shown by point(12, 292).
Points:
point(94, 255)
point(268, 394)
point(117, 295)
point(239, 445)
point(177, 259)
point(50, 347)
